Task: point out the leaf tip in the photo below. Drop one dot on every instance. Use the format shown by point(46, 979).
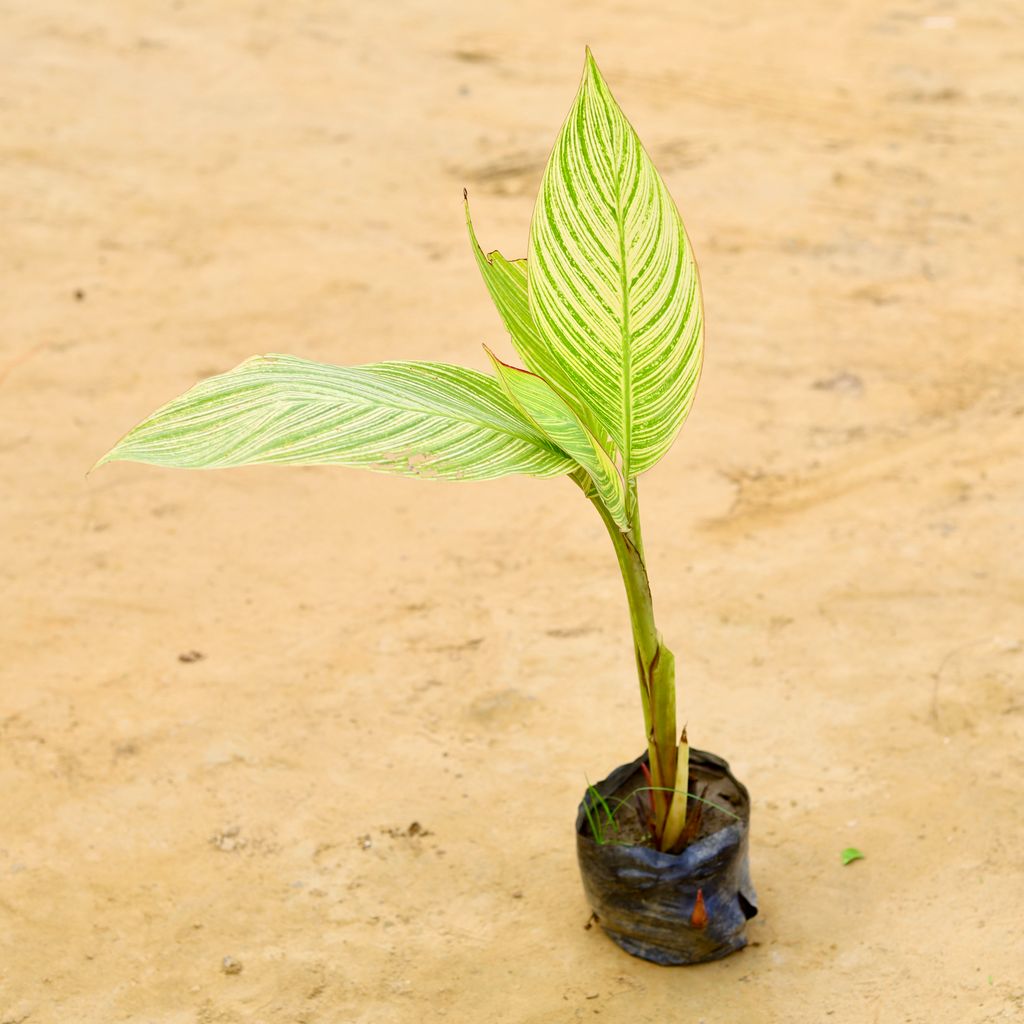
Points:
point(478, 251)
point(499, 364)
point(110, 456)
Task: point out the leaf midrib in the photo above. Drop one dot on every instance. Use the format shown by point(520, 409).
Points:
point(626, 338)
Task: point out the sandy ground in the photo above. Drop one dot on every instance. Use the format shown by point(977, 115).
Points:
point(835, 541)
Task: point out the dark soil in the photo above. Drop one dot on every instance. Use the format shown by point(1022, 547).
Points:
point(630, 805)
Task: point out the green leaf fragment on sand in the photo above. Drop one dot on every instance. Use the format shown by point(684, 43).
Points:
point(850, 854)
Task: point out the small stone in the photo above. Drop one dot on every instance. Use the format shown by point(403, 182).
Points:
point(229, 965)
point(845, 383)
point(228, 840)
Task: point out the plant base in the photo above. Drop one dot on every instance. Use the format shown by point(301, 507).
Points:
point(645, 900)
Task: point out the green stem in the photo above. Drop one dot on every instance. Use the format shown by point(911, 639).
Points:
point(655, 663)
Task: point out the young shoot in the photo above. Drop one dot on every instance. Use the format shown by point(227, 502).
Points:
point(605, 314)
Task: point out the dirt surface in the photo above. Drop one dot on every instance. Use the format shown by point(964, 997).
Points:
point(225, 698)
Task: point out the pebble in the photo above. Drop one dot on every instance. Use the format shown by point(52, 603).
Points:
point(229, 965)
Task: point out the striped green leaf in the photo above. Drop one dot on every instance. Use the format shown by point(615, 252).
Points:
point(544, 407)
point(506, 282)
point(613, 286)
point(414, 419)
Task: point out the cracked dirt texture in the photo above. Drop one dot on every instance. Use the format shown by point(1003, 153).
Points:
point(225, 698)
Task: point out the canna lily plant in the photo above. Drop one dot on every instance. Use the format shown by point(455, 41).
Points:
point(605, 312)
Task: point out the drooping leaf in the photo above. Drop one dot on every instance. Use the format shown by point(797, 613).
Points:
point(506, 282)
point(414, 419)
point(545, 408)
point(613, 286)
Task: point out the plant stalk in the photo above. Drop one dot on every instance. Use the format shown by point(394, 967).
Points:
point(655, 665)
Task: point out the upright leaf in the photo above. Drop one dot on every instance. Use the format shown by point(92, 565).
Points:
point(544, 407)
point(415, 419)
point(506, 282)
point(613, 286)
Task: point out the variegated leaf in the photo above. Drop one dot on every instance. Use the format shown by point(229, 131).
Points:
point(415, 419)
point(506, 282)
point(613, 286)
point(555, 418)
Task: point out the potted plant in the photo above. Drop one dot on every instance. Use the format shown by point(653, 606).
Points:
point(606, 314)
